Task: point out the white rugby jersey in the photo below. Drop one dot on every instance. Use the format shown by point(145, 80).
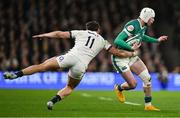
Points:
point(87, 44)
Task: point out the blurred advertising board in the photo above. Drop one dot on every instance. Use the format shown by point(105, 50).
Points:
point(90, 81)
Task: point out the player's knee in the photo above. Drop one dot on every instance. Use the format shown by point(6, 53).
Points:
point(146, 78)
point(146, 84)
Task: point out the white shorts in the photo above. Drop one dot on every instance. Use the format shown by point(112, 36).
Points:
point(75, 66)
point(123, 64)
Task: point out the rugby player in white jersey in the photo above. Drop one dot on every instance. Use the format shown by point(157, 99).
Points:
point(88, 43)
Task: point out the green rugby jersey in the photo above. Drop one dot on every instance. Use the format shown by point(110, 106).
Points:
point(131, 33)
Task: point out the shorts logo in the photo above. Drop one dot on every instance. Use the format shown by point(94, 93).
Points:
point(61, 58)
point(124, 68)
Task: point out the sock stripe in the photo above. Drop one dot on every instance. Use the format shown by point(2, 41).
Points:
point(19, 73)
point(56, 98)
point(119, 87)
point(147, 99)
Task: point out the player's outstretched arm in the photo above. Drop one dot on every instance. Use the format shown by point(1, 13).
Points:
point(154, 40)
point(54, 34)
point(122, 53)
point(162, 38)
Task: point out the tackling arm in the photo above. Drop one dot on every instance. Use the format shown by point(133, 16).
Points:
point(121, 53)
point(54, 34)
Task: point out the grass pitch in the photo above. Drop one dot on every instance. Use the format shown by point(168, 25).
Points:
point(32, 103)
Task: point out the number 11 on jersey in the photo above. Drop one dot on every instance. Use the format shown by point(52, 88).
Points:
point(89, 42)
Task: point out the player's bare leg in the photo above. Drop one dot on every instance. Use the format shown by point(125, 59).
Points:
point(67, 90)
point(140, 69)
point(129, 84)
point(48, 65)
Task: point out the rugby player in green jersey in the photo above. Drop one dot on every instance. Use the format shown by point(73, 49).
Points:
point(133, 32)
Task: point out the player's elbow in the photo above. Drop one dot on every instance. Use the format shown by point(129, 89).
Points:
point(64, 35)
point(59, 34)
point(116, 42)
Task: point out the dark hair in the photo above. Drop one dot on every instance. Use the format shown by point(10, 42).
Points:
point(92, 25)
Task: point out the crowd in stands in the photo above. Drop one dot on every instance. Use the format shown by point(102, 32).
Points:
point(21, 19)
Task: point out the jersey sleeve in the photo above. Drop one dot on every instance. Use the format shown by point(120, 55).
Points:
point(107, 45)
point(73, 33)
point(120, 43)
point(149, 39)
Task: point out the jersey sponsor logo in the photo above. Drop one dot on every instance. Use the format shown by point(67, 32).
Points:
point(130, 28)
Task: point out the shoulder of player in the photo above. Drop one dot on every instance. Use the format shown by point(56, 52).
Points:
point(101, 37)
point(132, 25)
point(77, 30)
point(132, 22)
point(94, 33)
point(89, 32)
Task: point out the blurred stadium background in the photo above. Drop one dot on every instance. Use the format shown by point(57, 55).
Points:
point(23, 18)
point(20, 19)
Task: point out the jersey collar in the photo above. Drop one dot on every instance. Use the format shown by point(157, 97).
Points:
point(140, 23)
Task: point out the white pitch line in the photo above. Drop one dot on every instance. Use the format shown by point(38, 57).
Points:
point(100, 98)
point(86, 95)
point(131, 103)
point(105, 98)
